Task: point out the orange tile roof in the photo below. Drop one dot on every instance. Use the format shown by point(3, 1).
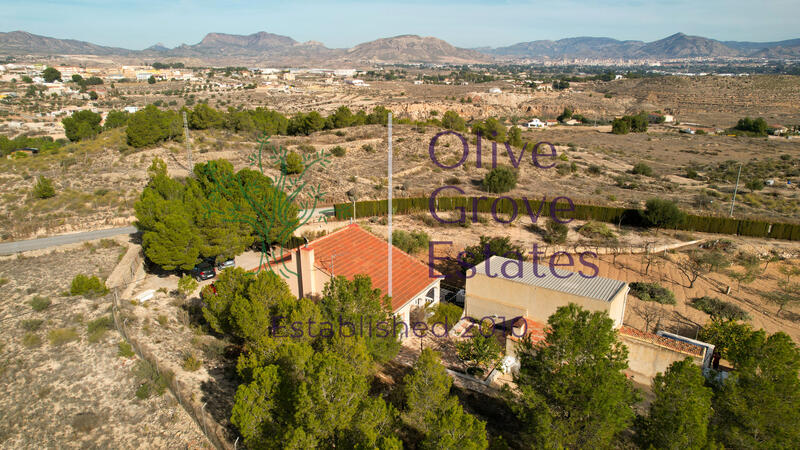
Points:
point(672, 344)
point(353, 250)
point(534, 329)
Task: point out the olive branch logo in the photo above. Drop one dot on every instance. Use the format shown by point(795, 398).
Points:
point(273, 207)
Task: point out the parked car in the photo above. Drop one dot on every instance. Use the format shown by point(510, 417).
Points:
point(225, 264)
point(203, 271)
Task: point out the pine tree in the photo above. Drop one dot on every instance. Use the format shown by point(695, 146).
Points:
point(680, 413)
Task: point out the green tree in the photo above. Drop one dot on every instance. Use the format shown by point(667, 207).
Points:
point(82, 125)
point(452, 121)
point(435, 414)
point(499, 180)
point(51, 74)
point(555, 232)
point(151, 125)
point(488, 247)
point(244, 303)
point(44, 188)
point(203, 117)
point(115, 119)
point(26, 79)
point(620, 126)
point(77, 78)
point(674, 424)
point(480, 351)
point(730, 338)
point(514, 137)
point(356, 302)
point(758, 406)
point(662, 213)
point(186, 285)
point(151, 80)
point(787, 294)
point(566, 115)
point(572, 392)
point(754, 185)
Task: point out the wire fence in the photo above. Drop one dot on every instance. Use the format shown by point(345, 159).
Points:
point(216, 433)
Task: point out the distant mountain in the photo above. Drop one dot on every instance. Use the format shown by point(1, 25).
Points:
point(274, 49)
point(21, 42)
point(578, 47)
point(411, 48)
point(680, 45)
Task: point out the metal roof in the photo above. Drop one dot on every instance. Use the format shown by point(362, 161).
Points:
point(598, 288)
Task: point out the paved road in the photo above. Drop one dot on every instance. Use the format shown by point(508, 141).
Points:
point(9, 248)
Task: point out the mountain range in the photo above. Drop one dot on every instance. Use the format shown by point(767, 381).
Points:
point(263, 47)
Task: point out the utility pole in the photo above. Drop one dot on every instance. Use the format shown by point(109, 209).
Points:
point(389, 124)
point(188, 144)
point(736, 189)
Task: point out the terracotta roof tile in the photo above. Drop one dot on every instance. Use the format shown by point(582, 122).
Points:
point(353, 250)
point(672, 344)
point(534, 329)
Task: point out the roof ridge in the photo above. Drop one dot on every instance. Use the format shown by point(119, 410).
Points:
point(321, 238)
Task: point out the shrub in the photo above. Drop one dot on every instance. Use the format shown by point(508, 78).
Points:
point(31, 325)
point(31, 340)
point(97, 328)
point(125, 350)
point(594, 169)
point(719, 308)
point(652, 292)
point(555, 232)
point(410, 242)
point(186, 285)
point(293, 164)
point(338, 151)
point(594, 230)
point(61, 336)
point(453, 181)
point(89, 287)
point(191, 363)
point(153, 382)
point(44, 188)
point(500, 180)
point(642, 169)
point(40, 303)
point(447, 314)
point(662, 213)
point(691, 173)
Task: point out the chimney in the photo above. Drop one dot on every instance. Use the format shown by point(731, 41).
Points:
point(306, 278)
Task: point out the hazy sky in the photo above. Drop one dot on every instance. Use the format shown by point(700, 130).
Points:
point(464, 23)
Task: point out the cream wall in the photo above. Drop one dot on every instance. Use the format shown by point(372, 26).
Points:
point(646, 359)
point(509, 299)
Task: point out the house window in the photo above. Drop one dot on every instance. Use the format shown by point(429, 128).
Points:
point(431, 295)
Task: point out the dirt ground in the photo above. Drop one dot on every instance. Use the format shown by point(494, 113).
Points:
point(76, 394)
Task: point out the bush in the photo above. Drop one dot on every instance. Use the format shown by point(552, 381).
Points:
point(445, 313)
point(31, 325)
point(31, 340)
point(594, 169)
point(44, 188)
point(186, 285)
point(368, 148)
point(594, 230)
point(719, 308)
point(555, 232)
point(97, 328)
point(662, 213)
point(82, 125)
point(40, 303)
point(293, 164)
point(410, 242)
point(125, 350)
point(652, 292)
point(338, 151)
point(191, 363)
point(61, 336)
point(500, 180)
point(89, 287)
point(153, 382)
point(642, 169)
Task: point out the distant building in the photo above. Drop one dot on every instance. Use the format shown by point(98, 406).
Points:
point(356, 82)
point(495, 91)
point(535, 123)
point(131, 109)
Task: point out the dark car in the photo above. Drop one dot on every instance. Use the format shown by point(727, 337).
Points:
point(204, 271)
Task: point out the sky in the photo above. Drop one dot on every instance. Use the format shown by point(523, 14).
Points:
point(136, 24)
